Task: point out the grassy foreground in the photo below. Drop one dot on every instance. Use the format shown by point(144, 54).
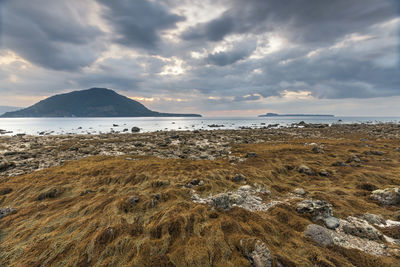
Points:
point(81, 213)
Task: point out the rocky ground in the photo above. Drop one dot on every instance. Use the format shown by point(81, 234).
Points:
point(307, 195)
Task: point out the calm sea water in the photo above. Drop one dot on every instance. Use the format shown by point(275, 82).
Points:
point(35, 126)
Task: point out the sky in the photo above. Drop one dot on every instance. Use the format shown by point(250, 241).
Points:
point(213, 57)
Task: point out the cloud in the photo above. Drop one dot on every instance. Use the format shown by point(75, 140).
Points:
point(51, 34)
point(138, 24)
point(224, 58)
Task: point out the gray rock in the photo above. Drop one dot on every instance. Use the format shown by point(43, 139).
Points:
point(251, 155)
point(331, 222)
point(238, 178)
point(304, 169)
point(5, 164)
point(318, 209)
point(339, 164)
point(374, 219)
point(300, 191)
point(361, 228)
point(135, 129)
point(388, 196)
point(195, 182)
point(261, 255)
point(316, 150)
point(6, 211)
point(133, 200)
point(323, 173)
point(319, 234)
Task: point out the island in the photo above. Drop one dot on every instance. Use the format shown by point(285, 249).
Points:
point(93, 102)
point(295, 115)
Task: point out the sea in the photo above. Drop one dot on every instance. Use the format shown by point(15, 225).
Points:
point(60, 126)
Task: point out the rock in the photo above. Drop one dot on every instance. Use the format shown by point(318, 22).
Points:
point(115, 125)
point(195, 182)
point(374, 219)
point(133, 200)
point(339, 164)
point(251, 155)
point(318, 209)
point(5, 191)
point(361, 228)
point(5, 164)
point(323, 173)
point(302, 123)
point(331, 222)
point(353, 158)
point(49, 194)
point(125, 130)
point(7, 211)
point(304, 169)
point(374, 152)
point(135, 129)
point(260, 256)
point(316, 150)
point(388, 196)
point(238, 178)
point(300, 191)
point(319, 234)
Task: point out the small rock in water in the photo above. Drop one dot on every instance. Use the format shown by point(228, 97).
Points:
point(319, 234)
point(331, 222)
point(135, 129)
point(388, 196)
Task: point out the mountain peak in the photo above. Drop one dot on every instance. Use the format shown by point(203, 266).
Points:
point(93, 102)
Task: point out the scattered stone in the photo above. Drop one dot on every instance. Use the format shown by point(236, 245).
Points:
point(374, 219)
point(388, 196)
point(374, 152)
point(251, 155)
point(319, 234)
point(304, 169)
point(135, 129)
point(300, 191)
point(238, 178)
point(125, 130)
point(133, 200)
point(324, 173)
point(353, 158)
point(216, 125)
point(49, 194)
point(318, 209)
point(339, 164)
point(7, 211)
point(195, 182)
point(331, 222)
point(361, 228)
point(316, 150)
point(115, 125)
point(260, 256)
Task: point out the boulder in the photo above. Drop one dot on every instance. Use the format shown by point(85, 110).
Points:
point(319, 234)
point(361, 228)
point(331, 222)
point(388, 196)
point(135, 129)
point(318, 209)
point(374, 219)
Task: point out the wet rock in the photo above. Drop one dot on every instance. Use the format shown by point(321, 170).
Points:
point(319, 234)
point(318, 209)
point(7, 211)
point(374, 219)
point(388, 196)
point(331, 222)
point(135, 129)
point(251, 155)
point(304, 169)
point(238, 178)
point(215, 125)
point(361, 228)
point(300, 191)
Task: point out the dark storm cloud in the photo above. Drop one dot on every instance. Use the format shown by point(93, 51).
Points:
point(51, 34)
point(232, 56)
point(139, 23)
point(303, 20)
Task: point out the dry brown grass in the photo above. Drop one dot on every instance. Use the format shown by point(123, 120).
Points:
point(71, 227)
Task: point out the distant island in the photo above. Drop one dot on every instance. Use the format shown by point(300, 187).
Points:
point(4, 109)
point(295, 115)
point(94, 102)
